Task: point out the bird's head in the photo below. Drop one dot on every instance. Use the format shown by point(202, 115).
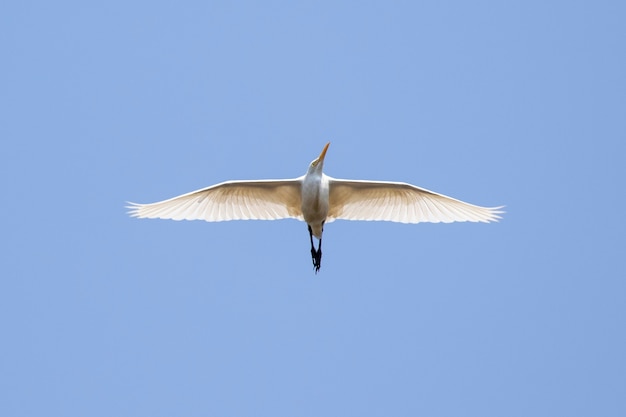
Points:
point(318, 163)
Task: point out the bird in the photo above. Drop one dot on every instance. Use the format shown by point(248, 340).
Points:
point(316, 199)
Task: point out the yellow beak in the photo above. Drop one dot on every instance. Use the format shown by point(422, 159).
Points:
point(323, 154)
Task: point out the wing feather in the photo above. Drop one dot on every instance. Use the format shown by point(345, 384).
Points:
point(400, 202)
point(231, 200)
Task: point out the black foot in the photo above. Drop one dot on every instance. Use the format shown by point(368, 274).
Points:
point(313, 256)
point(316, 256)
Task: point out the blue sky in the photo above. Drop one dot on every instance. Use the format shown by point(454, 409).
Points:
point(497, 103)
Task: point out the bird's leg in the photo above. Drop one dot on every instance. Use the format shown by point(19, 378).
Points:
point(313, 251)
point(318, 256)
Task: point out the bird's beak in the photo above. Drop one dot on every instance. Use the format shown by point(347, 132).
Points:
point(323, 154)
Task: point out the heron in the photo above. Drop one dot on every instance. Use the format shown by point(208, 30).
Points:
point(316, 199)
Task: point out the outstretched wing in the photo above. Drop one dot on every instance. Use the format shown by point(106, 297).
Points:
point(230, 200)
point(400, 202)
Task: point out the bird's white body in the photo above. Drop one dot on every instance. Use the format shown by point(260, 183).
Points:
point(317, 199)
point(315, 206)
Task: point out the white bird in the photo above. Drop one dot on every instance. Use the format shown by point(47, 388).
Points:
point(316, 199)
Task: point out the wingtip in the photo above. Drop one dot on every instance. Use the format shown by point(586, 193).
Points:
point(133, 209)
point(496, 213)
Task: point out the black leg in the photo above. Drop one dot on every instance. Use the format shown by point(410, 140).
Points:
point(319, 252)
point(313, 251)
point(316, 255)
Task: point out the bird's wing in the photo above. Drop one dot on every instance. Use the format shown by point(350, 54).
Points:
point(230, 200)
point(400, 202)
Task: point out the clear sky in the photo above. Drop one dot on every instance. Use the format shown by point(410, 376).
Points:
point(516, 103)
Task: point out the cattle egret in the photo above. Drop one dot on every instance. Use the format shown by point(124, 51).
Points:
point(316, 199)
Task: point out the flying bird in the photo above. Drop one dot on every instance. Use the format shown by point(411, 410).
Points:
point(316, 199)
